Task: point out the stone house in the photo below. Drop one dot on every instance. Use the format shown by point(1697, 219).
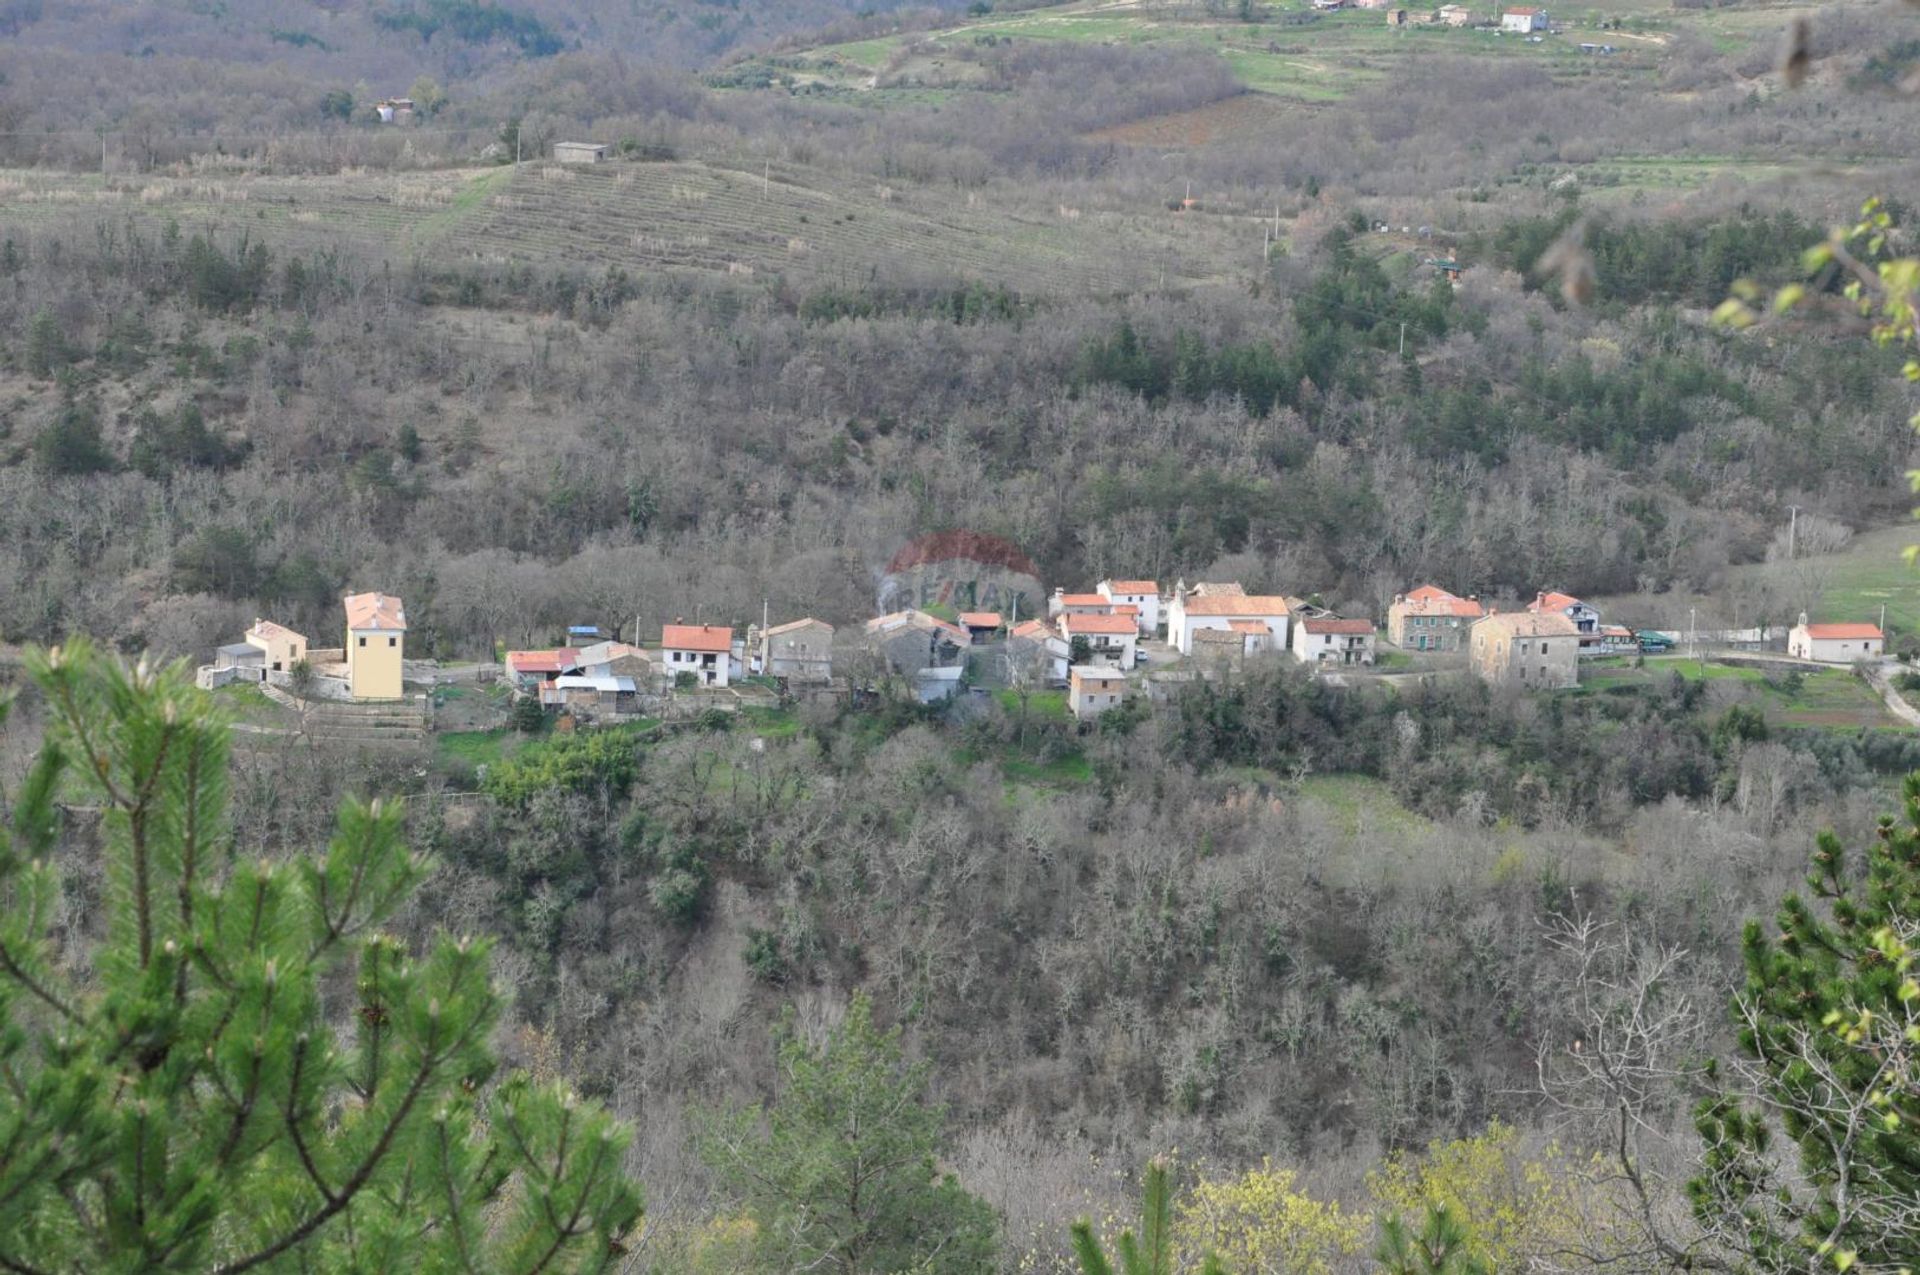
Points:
point(1539, 650)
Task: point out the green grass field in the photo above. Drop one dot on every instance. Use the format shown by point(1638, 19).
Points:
point(1289, 51)
point(1828, 699)
point(1870, 574)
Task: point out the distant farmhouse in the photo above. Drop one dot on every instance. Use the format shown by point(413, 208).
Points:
point(1218, 606)
point(1094, 689)
point(1539, 650)
point(1329, 642)
point(800, 651)
point(704, 650)
point(1431, 619)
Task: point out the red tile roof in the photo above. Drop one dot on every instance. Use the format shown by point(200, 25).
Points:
point(375, 611)
point(1245, 626)
point(1034, 629)
point(1236, 604)
point(696, 637)
point(1084, 600)
point(1430, 599)
point(269, 630)
point(1115, 624)
point(1829, 632)
point(980, 619)
point(1333, 625)
point(541, 661)
point(1553, 602)
point(1132, 586)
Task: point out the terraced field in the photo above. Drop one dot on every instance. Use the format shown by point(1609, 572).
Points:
point(789, 222)
point(800, 224)
point(1291, 52)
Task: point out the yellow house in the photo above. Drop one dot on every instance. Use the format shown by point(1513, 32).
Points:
point(281, 648)
point(376, 645)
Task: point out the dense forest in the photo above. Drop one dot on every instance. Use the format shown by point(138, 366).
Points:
point(1322, 970)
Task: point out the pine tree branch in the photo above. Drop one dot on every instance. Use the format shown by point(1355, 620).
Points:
point(454, 1212)
point(348, 1190)
point(137, 816)
point(19, 974)
point(293, 1121)
point(189, 864)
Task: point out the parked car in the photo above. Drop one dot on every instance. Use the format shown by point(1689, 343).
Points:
point(1652, 643)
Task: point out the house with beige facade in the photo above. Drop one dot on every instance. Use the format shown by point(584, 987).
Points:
point(1538, 650)
point(280, 647)
point(376, 645)
point(1094, 689)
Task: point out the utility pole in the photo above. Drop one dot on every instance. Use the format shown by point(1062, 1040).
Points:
point(1403, 338)
point(1693, 635)
point(1793, 532)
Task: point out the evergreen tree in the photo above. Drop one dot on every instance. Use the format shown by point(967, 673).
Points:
point(71, 443)
point(1829, 1061)
point(185, 1103)
point(838, 1174)
point(1440, 1247)
point(1150, 1252)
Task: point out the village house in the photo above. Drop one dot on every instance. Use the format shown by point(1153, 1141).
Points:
point(1397, 17)
point(1539, 650)
point(981, 626)
point(1111, 639)
point(580, 152)
point(620, 659)
point(799, 650)
point(1217, 607)
point(1453, 15)
point(910, 641)
point(376, 645)
point(1225, 646)
point(1431, 619)
point(1835, 643)
point(1523, 21)
point(1036, 650)
point(280, 647)
point(393, 110)
point(1332, 642)
point(1144, 594)
point(530, 670)
point(1093, 690)
point(1064, 603)
point(586, 634)
point(704, 650)
point(1585, 618)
